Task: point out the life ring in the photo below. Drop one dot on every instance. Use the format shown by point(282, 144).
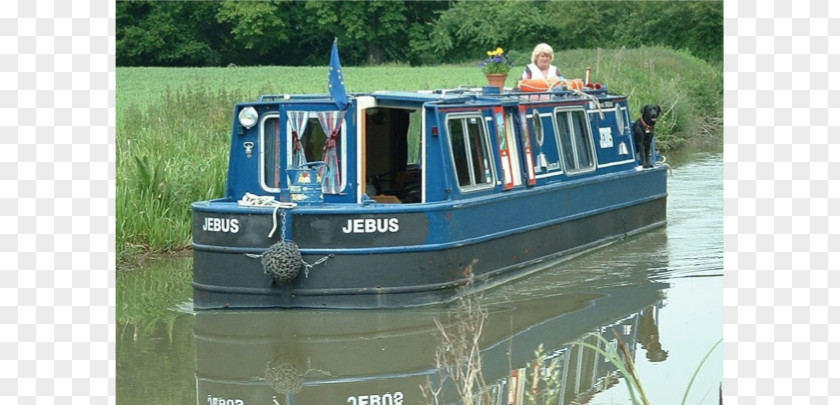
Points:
point(538, 85)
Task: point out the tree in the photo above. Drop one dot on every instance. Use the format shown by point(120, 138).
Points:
point(287, 32)
point(365, 28)
point(166, 34)
point(255, 26)
point(695, 26)
point(589, 24)
point(469, 29)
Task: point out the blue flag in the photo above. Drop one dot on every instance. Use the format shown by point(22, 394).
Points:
point(336, 79)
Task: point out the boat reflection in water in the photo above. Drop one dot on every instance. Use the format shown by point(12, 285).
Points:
point(529, 341)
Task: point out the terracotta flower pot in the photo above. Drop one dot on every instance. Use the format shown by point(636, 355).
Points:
point(497, 80)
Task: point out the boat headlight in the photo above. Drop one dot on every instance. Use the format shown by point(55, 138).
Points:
point(248, 117)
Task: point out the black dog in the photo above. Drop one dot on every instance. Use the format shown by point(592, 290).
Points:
point(643, 132)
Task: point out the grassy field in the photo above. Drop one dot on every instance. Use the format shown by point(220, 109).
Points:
point(173, 124)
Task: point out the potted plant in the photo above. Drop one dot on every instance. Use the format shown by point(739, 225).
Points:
point(496, 67)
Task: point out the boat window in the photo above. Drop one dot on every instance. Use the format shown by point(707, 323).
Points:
point(278, 148)
point(619, 120)
point(313, 140)
point(272, 156)
point(309, 141)
point(575, 140)
point(627, 120)
point(538, 128)
point(471, 151)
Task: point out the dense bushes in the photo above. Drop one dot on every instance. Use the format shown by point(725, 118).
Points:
point(179, 33)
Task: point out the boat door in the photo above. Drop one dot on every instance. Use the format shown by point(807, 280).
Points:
point(390, 151)
point(503, 122)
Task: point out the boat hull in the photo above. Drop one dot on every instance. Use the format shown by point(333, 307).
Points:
point(409, 275)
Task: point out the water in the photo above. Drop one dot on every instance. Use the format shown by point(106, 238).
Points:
point(658, 293)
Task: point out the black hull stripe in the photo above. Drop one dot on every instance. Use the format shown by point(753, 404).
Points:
point(431, 246)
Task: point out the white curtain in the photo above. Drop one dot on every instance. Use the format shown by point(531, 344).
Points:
point(331, 122)
point(298, 121)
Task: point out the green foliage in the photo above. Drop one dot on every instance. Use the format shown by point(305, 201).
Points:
point(688, 89)
point(697, 370)
point(255, 25)
point(591, 24)
point(364, 28)
point(161, 149)
point(623, 364)
point(181, 33)
point(174, 125)
point(695, 26)
point(552, 387)
point(468, 28)
point(167, 34)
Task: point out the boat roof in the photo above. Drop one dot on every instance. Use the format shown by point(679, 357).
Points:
point(444, 96)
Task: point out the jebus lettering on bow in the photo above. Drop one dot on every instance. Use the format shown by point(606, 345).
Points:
point(372, 225)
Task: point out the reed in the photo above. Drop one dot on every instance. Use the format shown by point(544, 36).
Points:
point(173, 124)
point(546, 387)
point(623, 361)
point(458, 355)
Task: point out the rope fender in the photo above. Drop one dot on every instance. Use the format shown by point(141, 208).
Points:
point(282, 260)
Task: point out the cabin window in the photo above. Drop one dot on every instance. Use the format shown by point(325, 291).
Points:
point(547, 151)
point(306, 138)
point(538, 128)
point(577, 149)
point(308, 141)
point(313, 141)
point(279, 149)
point(272, 155)
point(471, 151)
point(619, 120)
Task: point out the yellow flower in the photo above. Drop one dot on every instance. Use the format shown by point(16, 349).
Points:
point(489, 53)
point(499, 51)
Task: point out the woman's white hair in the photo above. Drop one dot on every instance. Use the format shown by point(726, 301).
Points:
point(542, 48)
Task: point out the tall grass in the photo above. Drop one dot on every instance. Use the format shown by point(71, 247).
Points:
point(689, 89)
point(173, 124)
point(169, 153)
point(623, 361)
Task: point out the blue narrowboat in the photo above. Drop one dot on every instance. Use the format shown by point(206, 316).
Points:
point(396, 198)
